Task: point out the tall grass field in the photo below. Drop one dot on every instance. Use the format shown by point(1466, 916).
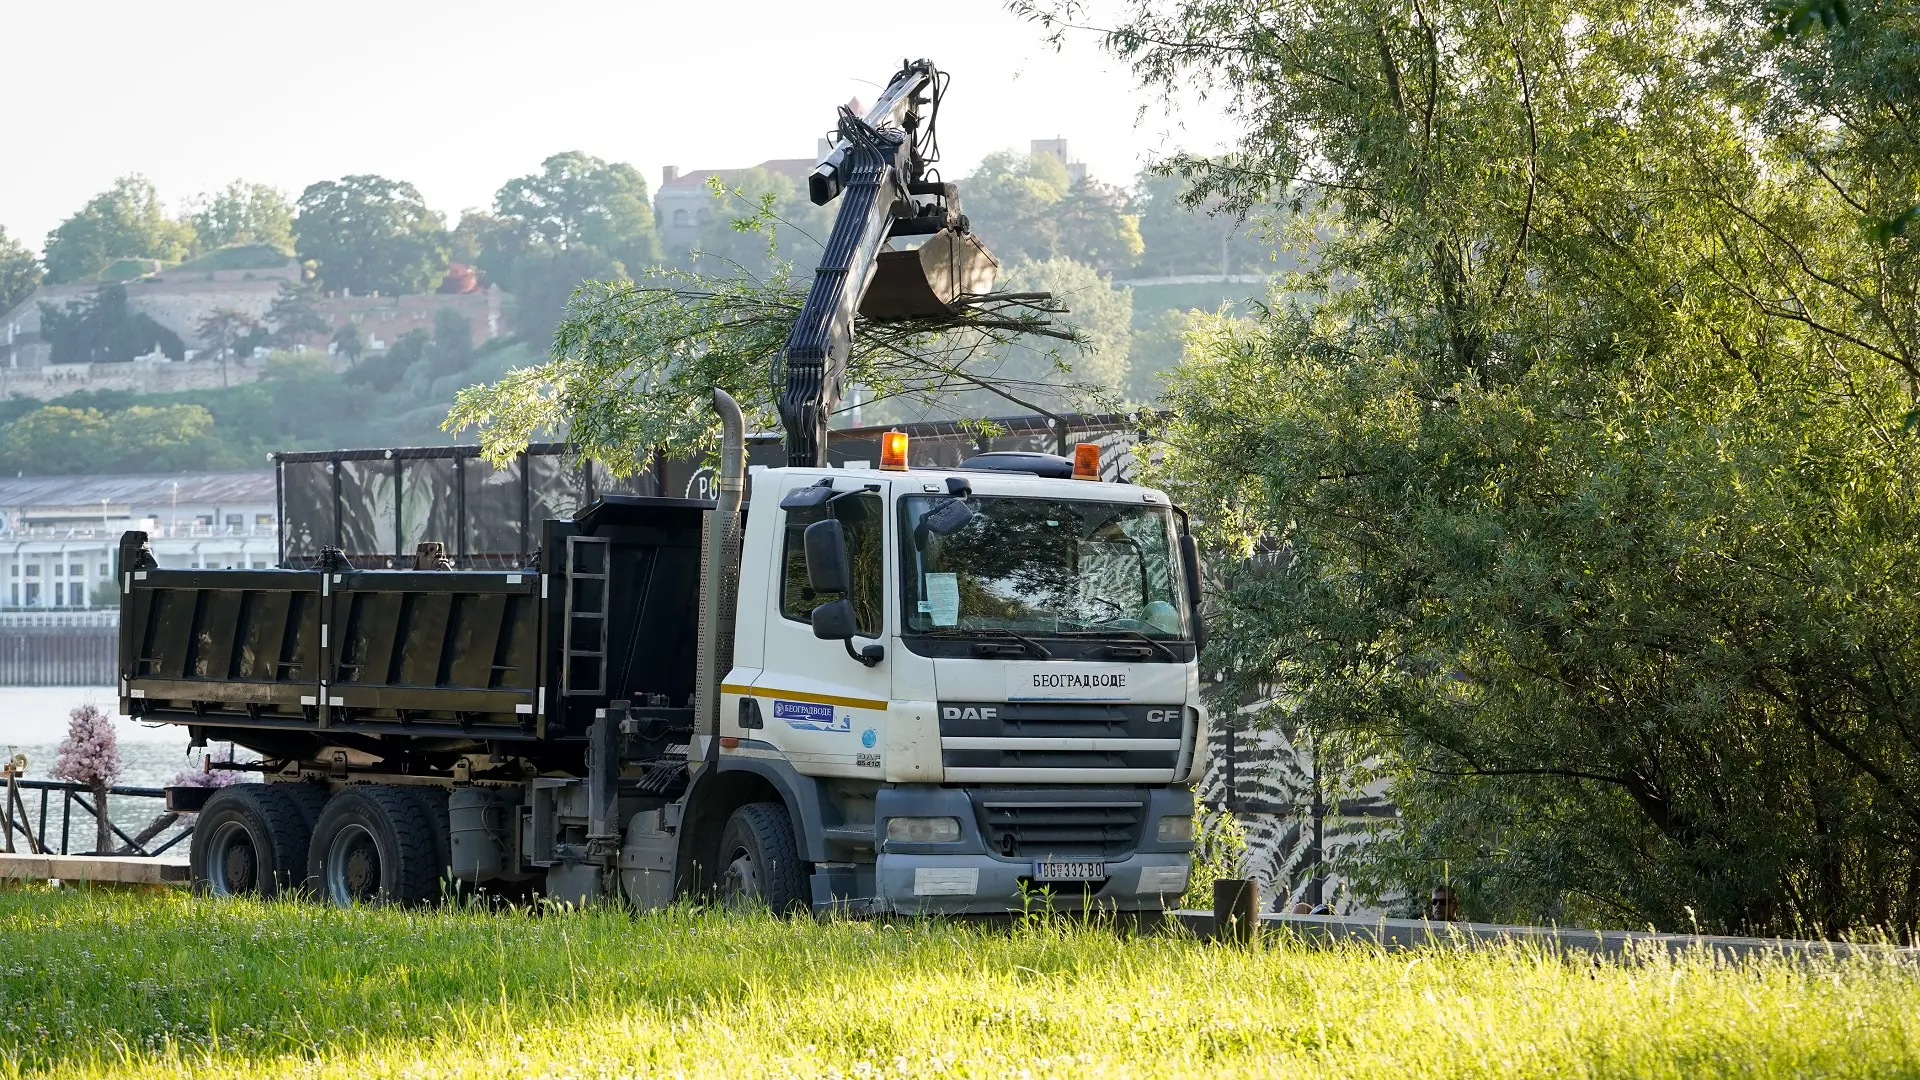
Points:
point(118, 984)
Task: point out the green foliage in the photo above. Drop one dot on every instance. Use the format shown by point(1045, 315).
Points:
point(1220, 851)
point(1031, 366)
point(57, 440)
point(1572, 481)
point(101, 329)
point(293, 316)
point(1156, 350)
point(578, 219)
point(20, 272)
point(254, 215)
point(543, 280)
point(125, 221)
point(346, 341)
point(578, 200)
point(1026, 207)
point(729, 236)
point(299, 403)
point(451, 349)
point(1181, 235)
point(371, 235)
point(227, 332)
point(180, 986)
point(634, 364)
point(235, 257)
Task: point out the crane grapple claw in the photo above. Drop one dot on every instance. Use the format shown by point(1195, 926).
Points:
point(926, 280)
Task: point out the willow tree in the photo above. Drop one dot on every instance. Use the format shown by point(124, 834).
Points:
point(1580, 464)
point(634, 364)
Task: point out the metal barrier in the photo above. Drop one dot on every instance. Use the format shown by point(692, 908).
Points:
point(377, 505)
point(17, 819)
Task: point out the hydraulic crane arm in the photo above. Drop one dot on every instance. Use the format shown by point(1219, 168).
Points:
point(877, 167)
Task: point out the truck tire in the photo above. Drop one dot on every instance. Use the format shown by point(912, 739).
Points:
point(433, 803)
point(309, 800)
point(373, 845)
point(250, 840)
point(760, 860)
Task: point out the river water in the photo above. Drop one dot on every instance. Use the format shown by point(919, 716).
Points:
point(33, 721)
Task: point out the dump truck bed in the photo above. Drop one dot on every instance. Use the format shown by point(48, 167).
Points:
point(286, 661)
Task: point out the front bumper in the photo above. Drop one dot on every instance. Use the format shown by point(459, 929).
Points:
point(983, 885)
point(974, 876)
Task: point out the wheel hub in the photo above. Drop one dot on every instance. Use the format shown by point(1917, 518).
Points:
point(740, 885)
point(234, 869)
point(353, 867)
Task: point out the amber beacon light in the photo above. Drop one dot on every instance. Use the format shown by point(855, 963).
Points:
point(1086, 461)
point(893, 451)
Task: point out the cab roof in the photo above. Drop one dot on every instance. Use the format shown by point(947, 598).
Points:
point(983, 482)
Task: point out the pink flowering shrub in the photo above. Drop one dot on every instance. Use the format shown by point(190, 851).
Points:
point(203, 777)
point(90, 755)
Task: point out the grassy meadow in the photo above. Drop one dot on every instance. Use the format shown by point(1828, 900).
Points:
point(163, 984)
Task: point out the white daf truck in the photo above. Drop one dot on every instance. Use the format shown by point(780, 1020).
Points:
point(961, 689)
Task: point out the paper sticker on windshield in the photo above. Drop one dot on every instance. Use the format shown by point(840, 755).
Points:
point(808, 716)
point(943, 598)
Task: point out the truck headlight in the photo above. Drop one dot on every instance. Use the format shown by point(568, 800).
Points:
point(1175, 830)
point(923, 830)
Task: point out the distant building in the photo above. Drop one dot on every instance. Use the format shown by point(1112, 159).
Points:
point(1057, 150)
point(684, 201)
point(59, 535)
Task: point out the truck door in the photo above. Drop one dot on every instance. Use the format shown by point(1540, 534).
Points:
point(823, 708)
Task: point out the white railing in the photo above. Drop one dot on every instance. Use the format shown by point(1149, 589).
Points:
point(158, 532)
point(14, 618)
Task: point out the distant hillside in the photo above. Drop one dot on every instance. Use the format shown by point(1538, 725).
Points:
point(299, 403)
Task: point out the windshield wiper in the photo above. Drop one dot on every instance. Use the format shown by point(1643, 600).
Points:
point(1158, 645)
point(992, 631)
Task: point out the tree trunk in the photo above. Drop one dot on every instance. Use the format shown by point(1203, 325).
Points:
point(103, 830)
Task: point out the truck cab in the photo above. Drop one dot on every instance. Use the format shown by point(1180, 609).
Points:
point(976, 688)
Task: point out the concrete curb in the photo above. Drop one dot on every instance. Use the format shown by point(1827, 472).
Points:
point(103, 869)
point(1397, 934)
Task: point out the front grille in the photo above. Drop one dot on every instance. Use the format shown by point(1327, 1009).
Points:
point(1060, 825)
point(1082, 736)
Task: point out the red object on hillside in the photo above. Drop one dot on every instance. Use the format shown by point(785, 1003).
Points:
point(460, 278)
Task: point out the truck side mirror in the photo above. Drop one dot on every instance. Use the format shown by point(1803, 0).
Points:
point(1190, 565)
point(835, 620)
point(827, 569)
point(949, 517)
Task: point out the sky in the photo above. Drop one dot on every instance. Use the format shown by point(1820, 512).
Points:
point(456, 98)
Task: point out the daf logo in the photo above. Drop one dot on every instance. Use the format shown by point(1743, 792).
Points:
point(951, 712)
point(1162, 716)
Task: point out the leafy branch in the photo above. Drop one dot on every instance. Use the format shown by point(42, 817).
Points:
point(633, 363)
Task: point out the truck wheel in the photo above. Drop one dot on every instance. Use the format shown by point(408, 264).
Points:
point(433, 803)
point(250, 840)
point(759, 860)
point(373, 845)
point(308, 800)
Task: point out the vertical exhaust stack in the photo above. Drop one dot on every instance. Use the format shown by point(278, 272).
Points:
point(720, 574)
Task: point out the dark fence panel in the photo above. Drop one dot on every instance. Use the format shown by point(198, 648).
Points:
point(377, 504)
point(58, 656)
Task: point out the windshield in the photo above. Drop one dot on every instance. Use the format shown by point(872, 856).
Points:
point(1042, 566)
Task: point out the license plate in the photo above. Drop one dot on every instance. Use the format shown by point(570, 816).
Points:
point(1069, 870)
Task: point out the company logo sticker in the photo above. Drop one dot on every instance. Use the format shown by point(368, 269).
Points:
point(807, 716)
point(868, 738)
point(1029, 682)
